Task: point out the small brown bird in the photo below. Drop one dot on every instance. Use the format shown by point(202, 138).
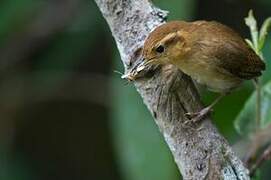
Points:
point(209, 52)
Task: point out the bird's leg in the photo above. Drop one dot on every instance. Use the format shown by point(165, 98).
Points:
point(197, 116)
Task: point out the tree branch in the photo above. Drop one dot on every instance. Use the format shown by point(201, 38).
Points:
point(199, 150)
point(265, 156)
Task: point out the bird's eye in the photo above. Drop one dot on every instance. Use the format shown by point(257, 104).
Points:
point(160, 49)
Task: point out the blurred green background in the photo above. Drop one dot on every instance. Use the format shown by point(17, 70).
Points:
point(64, 114)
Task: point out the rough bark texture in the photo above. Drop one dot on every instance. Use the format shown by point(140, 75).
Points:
point(198, 149)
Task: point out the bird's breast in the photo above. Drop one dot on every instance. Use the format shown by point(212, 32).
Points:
point(206, 73)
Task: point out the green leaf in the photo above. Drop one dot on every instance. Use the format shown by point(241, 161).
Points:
point(249, 43)
point(252, 24)
point(257, 175)
point(245, 123)
point(263, 32)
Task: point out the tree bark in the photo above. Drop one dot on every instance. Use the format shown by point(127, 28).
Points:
point(200, 152)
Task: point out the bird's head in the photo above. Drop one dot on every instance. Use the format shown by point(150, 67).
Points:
point(166, 43)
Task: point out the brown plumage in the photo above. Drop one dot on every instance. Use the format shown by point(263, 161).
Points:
point(210, 52)
point(202, 49)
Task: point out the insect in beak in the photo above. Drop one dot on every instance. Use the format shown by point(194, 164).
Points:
point(132, 74)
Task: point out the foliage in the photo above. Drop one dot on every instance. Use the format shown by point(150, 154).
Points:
point(246, 122)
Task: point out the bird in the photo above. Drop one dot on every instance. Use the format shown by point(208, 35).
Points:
point(210, 52)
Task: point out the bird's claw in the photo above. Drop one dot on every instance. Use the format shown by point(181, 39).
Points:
point(197, 116)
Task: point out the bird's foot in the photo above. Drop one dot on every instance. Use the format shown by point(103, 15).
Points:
point(198, 116)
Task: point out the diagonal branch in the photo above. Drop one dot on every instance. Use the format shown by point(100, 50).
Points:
point(199, 150)
point(265, 156)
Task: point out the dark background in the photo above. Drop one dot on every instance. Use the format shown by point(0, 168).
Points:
point(64, 113)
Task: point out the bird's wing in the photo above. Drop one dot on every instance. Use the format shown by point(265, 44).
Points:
point(238, 60)
point(228, 50)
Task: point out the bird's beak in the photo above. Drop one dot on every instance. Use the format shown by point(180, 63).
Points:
point(139, 66)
